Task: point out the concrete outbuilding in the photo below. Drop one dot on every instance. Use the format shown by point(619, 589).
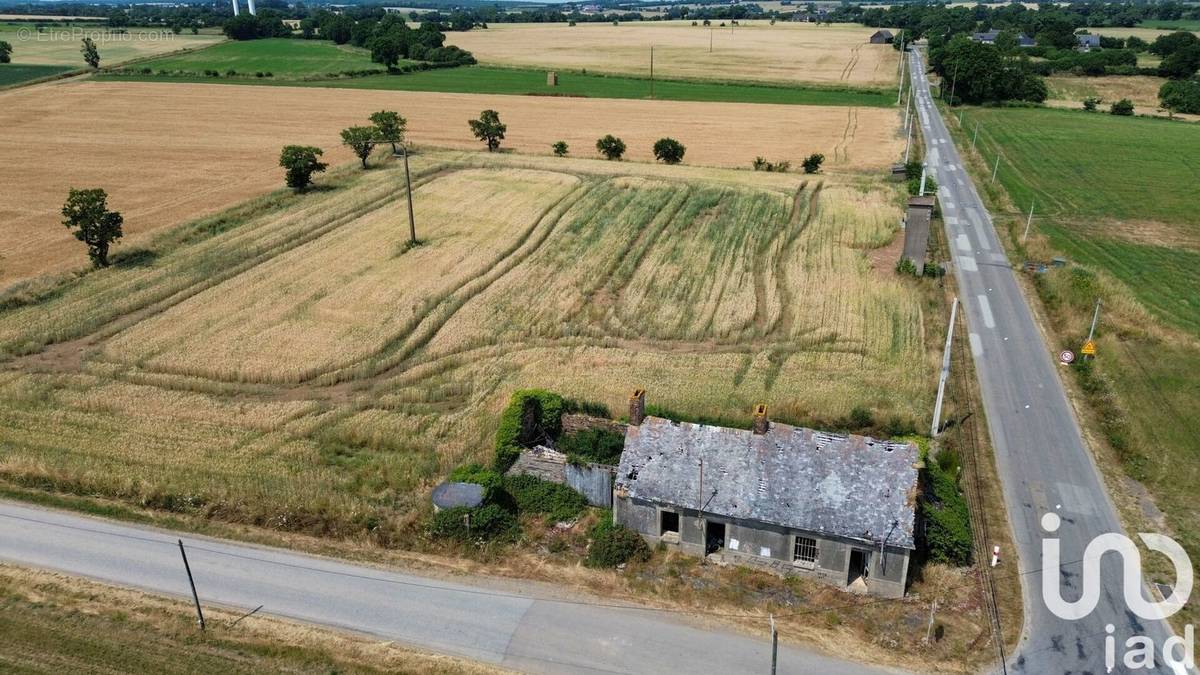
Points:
point(792, 500)
point(916, 230)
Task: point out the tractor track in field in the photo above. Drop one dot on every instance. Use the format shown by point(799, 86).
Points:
point(841, 151)
point(848, 69)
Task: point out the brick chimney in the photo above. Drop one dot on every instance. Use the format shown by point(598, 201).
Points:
point(761, 423)
point(637, 407)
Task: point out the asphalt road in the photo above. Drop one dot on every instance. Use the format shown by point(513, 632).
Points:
point(1043, 464)
point(517, 631)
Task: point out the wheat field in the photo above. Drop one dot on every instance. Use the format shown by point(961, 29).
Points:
point(289, 365)
point(755, 50)
point(169, 152)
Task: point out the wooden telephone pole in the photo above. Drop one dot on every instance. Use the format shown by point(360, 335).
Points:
point(412, 223)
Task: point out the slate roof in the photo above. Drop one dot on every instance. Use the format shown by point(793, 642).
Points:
point(848, 486)
point(1088, 40)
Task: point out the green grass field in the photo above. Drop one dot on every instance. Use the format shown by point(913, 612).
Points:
point(1178, 24)
point(489, 80)
point(281, 56)
point(1079, 165)
point(15, 73)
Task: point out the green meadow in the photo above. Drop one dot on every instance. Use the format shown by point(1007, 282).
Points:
point(16, 73)
point(282, 57)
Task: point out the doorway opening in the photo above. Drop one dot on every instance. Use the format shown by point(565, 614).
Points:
point(859, 566)
point(714, 537)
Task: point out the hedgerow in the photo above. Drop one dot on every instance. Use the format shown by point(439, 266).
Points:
point(486, 523)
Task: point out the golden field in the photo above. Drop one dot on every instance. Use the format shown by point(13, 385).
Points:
point(59, 45)
point(1068, 91)
point(786, 52)
point(170, 152)
point(289, 365)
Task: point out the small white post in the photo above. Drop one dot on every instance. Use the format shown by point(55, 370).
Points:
point(976, 136)
point(996, 167)
point(995, 555)
point(937, 407)
point(1028, 222)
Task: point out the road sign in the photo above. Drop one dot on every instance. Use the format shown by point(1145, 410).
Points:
point(1066, 356)
point(1089, 348)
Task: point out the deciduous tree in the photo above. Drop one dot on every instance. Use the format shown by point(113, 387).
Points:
point(361, 140)
point(669, 151)
point(611, 147)
point(86, 214)
point(300, 162)
point(560, 148)
point(5, 52)
point(489, 129)
point(90, 54)
point(812, 163)
point(389, 127)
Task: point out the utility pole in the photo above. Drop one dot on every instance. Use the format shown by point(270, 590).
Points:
point(937, 407)
point(908, 142)
point(651, 71)
point(700, 503)
point(1028, 222)
point(192, 582)
point(953, 82)
point(996, 167)
point(976, 136)
point(900, 91)
point(412, 223)
point(774, 646)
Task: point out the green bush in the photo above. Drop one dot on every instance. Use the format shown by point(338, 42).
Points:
point(947, 519)
point(545, 410)
point(914, 185)
point(534, 495)
point(486, 523)
point(614, 545)
point(492, 482)
point(602, 446)
point(1123, 107)
point(906, 266)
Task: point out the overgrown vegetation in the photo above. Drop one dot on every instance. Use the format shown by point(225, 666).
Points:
point(944, 510)
point(532, 495)
point(532, 416)
point(602, 446)
point(614, 545)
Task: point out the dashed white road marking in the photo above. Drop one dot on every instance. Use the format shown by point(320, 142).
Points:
point(976, 344)
point(967, 263)
point(963, 243)
point(985, 308)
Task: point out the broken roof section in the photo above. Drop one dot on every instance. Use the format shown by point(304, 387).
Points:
point(847, 486)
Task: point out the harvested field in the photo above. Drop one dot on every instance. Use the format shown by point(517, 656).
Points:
point(1068, 91)
point(785, 52)
point(171, 152)
point(59, 45)
point(289, 367)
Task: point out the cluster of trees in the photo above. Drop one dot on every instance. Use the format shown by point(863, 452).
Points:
point(387, 35)
point(1180, 52)
point(300, 162)
point(1180, 96)
point(5, 52)
point(1049, 25)
point(979, 73)
point(266, 24)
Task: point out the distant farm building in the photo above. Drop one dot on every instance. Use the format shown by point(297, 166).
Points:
point(916, 230)
point(989, 38)
point(882, 37)
point(1088, 42)
point(841, 509)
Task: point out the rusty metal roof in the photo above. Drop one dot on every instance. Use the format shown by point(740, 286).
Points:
point(848, 486)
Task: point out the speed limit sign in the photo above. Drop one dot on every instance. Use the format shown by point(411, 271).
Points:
point(1066, 356)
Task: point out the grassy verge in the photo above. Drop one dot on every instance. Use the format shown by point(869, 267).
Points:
point(54, 623)
point(17, 73)
point(517, 81)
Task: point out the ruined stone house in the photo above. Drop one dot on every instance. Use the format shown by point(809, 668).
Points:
point(837, 508)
